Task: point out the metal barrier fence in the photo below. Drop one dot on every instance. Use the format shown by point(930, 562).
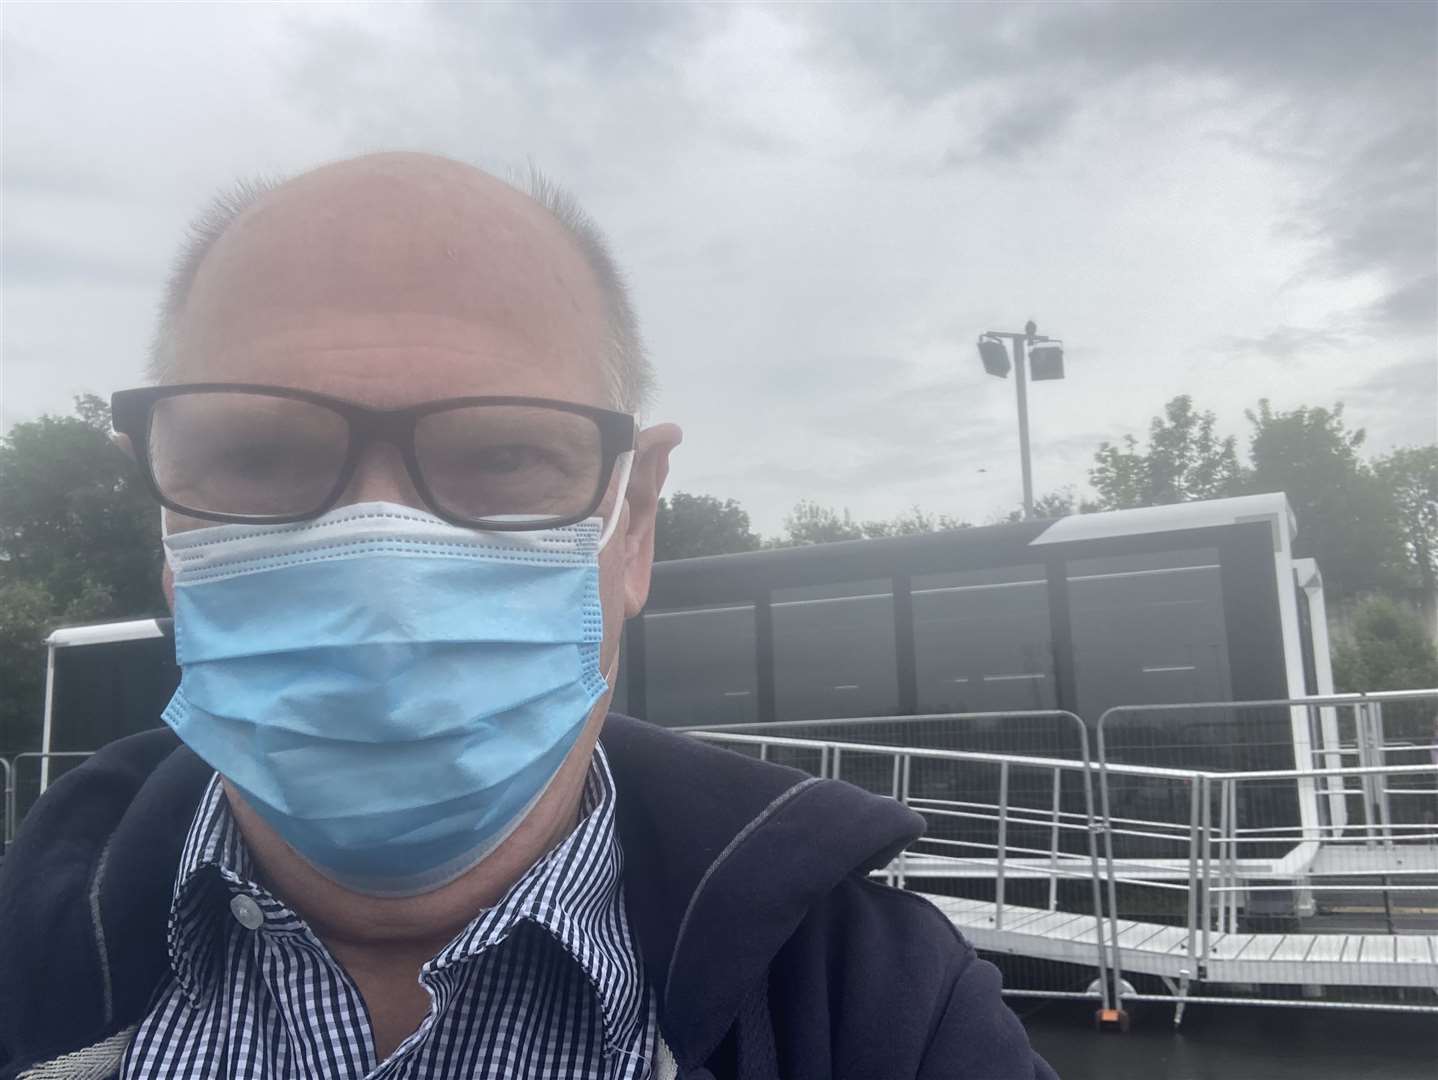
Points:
point(13, 776)
point(1035, 732)
point(1217, 878)
point(1314, 884)
point(1000, 849)
point(7, 813)
point(1061, 793)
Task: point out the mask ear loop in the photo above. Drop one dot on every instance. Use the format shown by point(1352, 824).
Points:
point(170, 560)
point(626, 465)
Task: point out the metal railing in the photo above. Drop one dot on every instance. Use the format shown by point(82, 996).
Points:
point(7, 805)
point(1235, 856)
point(12, 778)
point(1007, 836)
point(1338, 852)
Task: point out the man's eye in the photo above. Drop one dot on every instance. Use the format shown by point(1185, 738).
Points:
point(507, 459)
point(254, 460)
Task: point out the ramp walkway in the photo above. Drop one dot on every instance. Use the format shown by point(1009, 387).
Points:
point(1406, 960)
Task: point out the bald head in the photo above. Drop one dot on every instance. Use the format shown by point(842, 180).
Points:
point(396, 250)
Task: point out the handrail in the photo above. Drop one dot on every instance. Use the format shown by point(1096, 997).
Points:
point(1216, 872)
point(1069, 764)
point(1220, 860)
point(7, 806)
point(905, 719)
point(830, 751)
point(12, 771)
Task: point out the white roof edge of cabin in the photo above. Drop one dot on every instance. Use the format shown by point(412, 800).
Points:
point(104, 633)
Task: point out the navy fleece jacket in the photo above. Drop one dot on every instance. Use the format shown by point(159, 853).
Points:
point(771, 952)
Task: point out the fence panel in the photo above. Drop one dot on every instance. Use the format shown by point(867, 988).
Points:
point(21, 790)
point(1009, 842)
point(7, 805)
point(1312, 880)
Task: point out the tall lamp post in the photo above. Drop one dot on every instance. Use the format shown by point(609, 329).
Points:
point(1043, 357)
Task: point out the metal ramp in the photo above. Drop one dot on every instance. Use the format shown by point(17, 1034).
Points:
point(1409, 960)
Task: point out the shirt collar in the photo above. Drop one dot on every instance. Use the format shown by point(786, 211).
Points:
point(213, 848)
point(575, 893)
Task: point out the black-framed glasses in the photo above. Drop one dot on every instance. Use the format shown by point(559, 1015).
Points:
point(244, 453)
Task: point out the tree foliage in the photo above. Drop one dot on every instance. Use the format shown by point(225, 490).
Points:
point(79, 542)
point(812, 523)
point(1410, 477)
point(1371, 527)
point(1346, 516)
point(691, 525)
point(1386, 647)
point(1184, 460)
point(910, 523)
point(1053, 504)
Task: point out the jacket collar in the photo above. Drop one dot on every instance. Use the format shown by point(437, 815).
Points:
point(726, 855)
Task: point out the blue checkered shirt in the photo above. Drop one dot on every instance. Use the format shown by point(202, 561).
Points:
point(546, 983)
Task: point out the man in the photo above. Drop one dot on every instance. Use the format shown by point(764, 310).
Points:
point(407, 510)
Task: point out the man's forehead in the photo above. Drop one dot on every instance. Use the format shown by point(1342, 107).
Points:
point(394, 252)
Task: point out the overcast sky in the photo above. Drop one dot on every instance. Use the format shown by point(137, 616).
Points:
point(820, 207)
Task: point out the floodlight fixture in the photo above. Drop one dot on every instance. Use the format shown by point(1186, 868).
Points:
point(1046, 360)
point(995, 356)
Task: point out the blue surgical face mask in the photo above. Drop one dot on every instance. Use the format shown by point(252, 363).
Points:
point(391, 694)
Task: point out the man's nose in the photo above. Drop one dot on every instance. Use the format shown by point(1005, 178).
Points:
point(381, 476)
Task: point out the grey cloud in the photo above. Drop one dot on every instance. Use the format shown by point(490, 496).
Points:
point(1320, 44)
point(1018, 128)
point(1285, 343)
point(927, 51)
point(1381, 211)
point(529, 76)
point(1412, 382)
point(605, 37)
point(1413, 304)
point(1351, 87)
point(1400, 400)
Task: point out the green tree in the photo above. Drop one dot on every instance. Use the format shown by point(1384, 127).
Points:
point(810, 523)
point(79, 542)
point(1410, 477)
point(1386, 647)
point(1347, 520)
point(910, 523)
point(1184, 460)
point(690, 525)
point(1054, 504)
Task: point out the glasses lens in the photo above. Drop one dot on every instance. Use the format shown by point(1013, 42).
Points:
point(246, 454)
point(510, 463)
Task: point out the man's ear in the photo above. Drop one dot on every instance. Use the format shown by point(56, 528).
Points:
point(646, 481)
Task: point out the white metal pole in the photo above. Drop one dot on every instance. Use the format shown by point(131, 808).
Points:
point(46, 729)
point(1021, 383)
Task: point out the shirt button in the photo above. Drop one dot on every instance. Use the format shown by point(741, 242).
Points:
point(246, 912)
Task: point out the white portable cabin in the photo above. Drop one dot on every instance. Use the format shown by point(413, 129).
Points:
point(70, 638)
